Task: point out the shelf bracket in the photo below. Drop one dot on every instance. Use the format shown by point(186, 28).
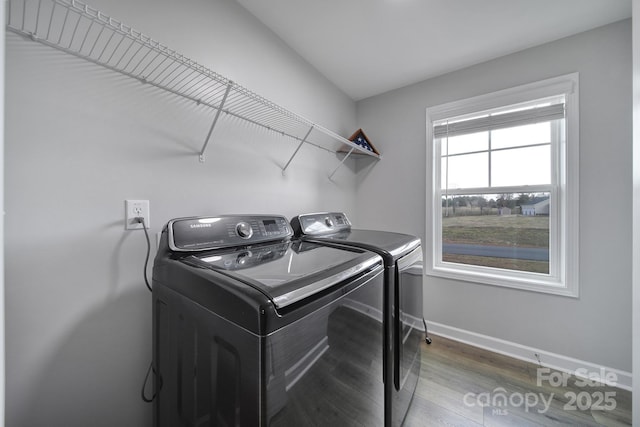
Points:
point(342, 162)
point(215, 120)
point(302, 141)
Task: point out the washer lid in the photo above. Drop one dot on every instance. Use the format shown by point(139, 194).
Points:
point(288, 272)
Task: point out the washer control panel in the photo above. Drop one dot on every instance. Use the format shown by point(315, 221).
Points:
point(205, 233)
point(320, 223)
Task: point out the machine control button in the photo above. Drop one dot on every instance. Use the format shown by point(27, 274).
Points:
point(244, 230)
point(329, 222)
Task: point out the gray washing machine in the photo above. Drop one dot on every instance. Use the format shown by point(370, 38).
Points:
point(405, 327)
point(252, 328)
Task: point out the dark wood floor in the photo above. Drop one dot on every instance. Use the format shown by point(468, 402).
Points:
point(461, 385)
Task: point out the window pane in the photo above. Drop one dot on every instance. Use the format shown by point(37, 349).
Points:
point(538, 133)
point(468, 143)
point(506, 231)
point(531, 143)
point(521, 166)
point(466, 171)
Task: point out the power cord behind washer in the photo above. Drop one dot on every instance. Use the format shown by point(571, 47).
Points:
point(146, 261)
point(146, 282)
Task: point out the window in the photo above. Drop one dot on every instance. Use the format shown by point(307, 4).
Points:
point(503, 202)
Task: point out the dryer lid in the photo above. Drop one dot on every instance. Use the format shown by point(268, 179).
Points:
point(395, 244)
point(335, 227)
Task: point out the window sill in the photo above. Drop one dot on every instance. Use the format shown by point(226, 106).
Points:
point(497, 277)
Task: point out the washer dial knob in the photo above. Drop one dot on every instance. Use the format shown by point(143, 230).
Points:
point(329, 222)
point(244, 230)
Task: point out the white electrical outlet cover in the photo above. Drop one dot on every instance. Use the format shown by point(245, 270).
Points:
point(136, 209)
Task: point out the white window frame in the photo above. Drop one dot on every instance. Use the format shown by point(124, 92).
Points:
point(563, 220)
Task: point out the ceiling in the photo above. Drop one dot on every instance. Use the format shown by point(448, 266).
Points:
point(367, 47)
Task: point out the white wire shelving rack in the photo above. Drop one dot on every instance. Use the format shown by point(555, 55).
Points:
point(80, 30)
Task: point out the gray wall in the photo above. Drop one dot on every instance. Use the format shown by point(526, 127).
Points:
point(79, 141)
point(636, 210)
point(596, 327)
point(2, 321)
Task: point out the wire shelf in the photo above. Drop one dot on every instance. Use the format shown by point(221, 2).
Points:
point(78, 29)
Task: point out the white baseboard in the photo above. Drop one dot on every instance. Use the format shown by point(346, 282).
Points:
point(580, 368)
